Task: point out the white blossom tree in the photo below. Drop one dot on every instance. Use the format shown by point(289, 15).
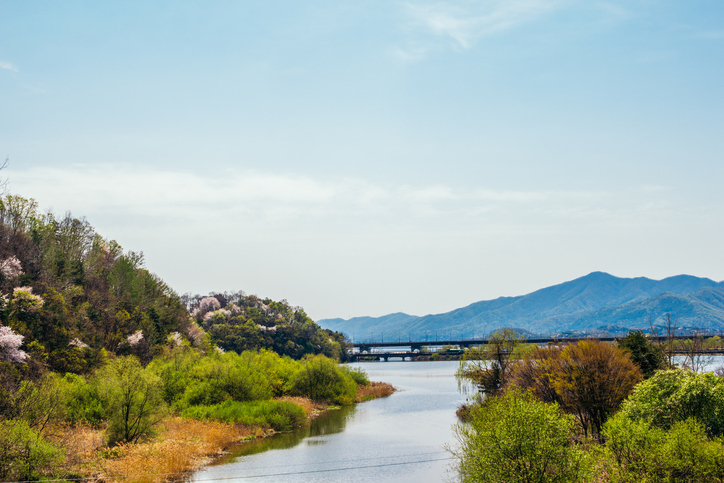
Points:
point(10, 343)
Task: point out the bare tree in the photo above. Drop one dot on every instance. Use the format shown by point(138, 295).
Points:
point(4, 182)
point(695, 358)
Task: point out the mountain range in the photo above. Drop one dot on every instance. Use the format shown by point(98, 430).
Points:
point(596, 303)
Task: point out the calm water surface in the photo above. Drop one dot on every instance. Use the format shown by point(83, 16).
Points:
point(397, 439)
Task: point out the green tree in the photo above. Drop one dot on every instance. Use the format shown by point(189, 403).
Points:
point(515, 438)
point(646, 354)
point(133, 398)
point(675, 395)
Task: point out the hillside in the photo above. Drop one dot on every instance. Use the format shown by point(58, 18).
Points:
point(75, 297)
point(597, 300)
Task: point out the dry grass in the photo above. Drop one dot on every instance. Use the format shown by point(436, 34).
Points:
point(182, 446)
point(374, 390)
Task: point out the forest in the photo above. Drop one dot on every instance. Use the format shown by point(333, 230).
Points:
point(99, 358)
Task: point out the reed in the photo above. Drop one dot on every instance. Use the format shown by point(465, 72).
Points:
point(373, 391)
point(182, 446)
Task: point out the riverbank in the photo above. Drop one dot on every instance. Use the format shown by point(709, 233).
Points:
point(180, 446)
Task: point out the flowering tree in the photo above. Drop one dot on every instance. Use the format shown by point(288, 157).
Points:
point(11, 267)
point(10, 343)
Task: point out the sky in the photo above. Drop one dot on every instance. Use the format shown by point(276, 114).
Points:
point(370, 157)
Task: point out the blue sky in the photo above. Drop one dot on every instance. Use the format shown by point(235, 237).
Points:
point(361, 158)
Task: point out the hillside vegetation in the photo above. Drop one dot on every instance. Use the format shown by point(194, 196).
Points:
point(98, 352)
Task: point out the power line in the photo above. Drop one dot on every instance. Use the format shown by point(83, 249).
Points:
point(409, 455)
point(326, 471)
point(329, 470)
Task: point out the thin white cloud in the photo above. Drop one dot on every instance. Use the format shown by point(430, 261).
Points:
point(234, 195)
point(711, 35)
point(8, 66)
point(463, 22)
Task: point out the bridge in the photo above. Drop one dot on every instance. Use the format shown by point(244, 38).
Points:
point(381, 350)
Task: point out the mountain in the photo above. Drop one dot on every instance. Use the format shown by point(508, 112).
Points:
point(596, 301)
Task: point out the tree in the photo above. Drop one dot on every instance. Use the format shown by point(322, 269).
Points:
point(676, 395)
point(643, 352)
point(10, 343)
point(515, 438)
point(490, 366)
point(133, 396)
point(588, 379)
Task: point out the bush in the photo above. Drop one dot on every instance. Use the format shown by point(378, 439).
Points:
point(642, 452)
point(278, 415)
point(321, 379)
point(676, 395)
point(515, 438)
point(358, 375)
point(82, 402)
point(24, 454)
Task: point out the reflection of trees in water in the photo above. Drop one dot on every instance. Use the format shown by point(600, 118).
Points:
point(331, 422)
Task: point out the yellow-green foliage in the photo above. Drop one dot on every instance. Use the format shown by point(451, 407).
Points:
point(321, 379)
point(515, 438)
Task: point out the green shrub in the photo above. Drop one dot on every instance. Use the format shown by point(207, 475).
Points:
point(82, 401)
point(278, 415)
point(642, 452)
point(358, 375)
point(515, 438)
point(676, 395)
point(24, 454)
point(321, 379)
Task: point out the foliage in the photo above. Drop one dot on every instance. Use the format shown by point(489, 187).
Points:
point(24, 453)
point(133, 398)
point(588, 379)
point(358, 375)
point(239, 322)
point(278, 415)
point(639, 451)
point(515, 438)
point(488, 367)
point(82, 401)
point(322, 380)
point(646, 354)
point(74, 294)
point(676, 395)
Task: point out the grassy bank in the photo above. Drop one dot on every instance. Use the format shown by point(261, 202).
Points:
point(180, 446)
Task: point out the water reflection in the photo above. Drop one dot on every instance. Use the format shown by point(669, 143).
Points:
point(398, 439)
point(331, 422)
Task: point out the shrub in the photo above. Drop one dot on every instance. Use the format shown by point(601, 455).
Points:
point(515, 438)
point(676, 395)
point(278, 415)
point(642, 452)
point(321, 379)
point(83, 403)
point(358, 375)
point(24, 454)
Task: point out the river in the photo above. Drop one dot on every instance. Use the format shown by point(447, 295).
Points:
point(399, 439)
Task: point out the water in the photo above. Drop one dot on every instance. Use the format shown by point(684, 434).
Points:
point(399, 439)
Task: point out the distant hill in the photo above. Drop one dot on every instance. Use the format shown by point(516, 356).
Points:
point(598, 301)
